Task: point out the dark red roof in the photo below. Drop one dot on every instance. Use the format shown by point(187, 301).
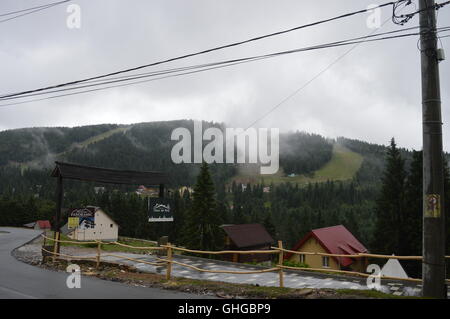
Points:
point(43, 224)
point(335, 240)
point(248, 235)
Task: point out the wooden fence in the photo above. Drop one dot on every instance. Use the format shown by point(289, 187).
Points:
point(169, 250)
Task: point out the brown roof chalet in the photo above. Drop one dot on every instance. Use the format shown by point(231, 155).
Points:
point(248, 235)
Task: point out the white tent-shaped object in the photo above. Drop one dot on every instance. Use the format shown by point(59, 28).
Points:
point(393, 268)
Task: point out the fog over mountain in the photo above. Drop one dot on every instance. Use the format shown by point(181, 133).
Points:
point(372, 94)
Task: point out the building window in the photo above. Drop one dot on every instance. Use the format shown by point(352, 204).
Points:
point(325, 262)
point(302, 259)
point(111, 225)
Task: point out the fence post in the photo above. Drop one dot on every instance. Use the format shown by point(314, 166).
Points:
point(280, 263)
point(55, 245)
point(169, 261)
point(98, 254)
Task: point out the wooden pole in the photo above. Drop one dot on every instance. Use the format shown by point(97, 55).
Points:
point(433, 232)
point(99, 247)
point(56, 246)
point(169, 261)
point(280, 263)
point(59, 202)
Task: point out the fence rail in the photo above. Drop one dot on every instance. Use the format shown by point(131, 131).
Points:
point(361, 255)
point(280, 251)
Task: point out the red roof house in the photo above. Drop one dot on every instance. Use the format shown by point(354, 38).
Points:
point(331, 240)
point(42, 224)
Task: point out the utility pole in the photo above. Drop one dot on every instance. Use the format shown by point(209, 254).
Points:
point(433, 263)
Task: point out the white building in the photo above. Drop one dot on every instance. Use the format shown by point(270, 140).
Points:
point(103, 227)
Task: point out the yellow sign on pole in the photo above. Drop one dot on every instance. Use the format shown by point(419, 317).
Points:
point(73, 222)
point(433, 202)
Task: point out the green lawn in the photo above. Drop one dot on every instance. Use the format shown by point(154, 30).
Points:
point(343, 166)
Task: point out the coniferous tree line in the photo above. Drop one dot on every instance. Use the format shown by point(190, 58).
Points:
point(399, 208)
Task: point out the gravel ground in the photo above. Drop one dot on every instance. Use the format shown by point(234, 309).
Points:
point(30, 253)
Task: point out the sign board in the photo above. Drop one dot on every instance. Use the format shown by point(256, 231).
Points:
point(433, 206)
point(73, 222)
point(82, 218)
point(160, 210)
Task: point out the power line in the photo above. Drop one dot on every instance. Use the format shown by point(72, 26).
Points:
point(316, 76)
point(30, 10)
point(202, 52)
point(217, 65)
point(247, 59)
point(404, 18)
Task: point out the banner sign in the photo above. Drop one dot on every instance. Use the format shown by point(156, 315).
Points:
point(160, 210)
point(82, 218)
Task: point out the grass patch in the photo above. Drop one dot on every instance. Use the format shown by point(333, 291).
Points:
point(112, 247)
point(372, 294)
point(343, 166)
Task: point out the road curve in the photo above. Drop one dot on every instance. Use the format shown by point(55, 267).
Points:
point(20, 280)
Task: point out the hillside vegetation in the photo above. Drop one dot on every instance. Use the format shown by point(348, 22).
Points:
point(147, 147)
point(343, 165)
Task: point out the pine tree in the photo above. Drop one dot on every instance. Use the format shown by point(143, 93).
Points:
point(270, 227)
point(390, 207)
point(203, 223)
point(412, 235)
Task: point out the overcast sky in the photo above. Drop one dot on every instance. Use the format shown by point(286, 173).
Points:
point(372, 94)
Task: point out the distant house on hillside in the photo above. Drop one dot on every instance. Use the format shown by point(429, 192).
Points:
point(39, 225)
point(183, 189)
point(331, 240)
point(91, 223)
point(147, 191)
point(247, 237)
point(99, 189)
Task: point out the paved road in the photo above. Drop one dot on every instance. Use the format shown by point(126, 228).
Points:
point(20, 280)
point(293, 279)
